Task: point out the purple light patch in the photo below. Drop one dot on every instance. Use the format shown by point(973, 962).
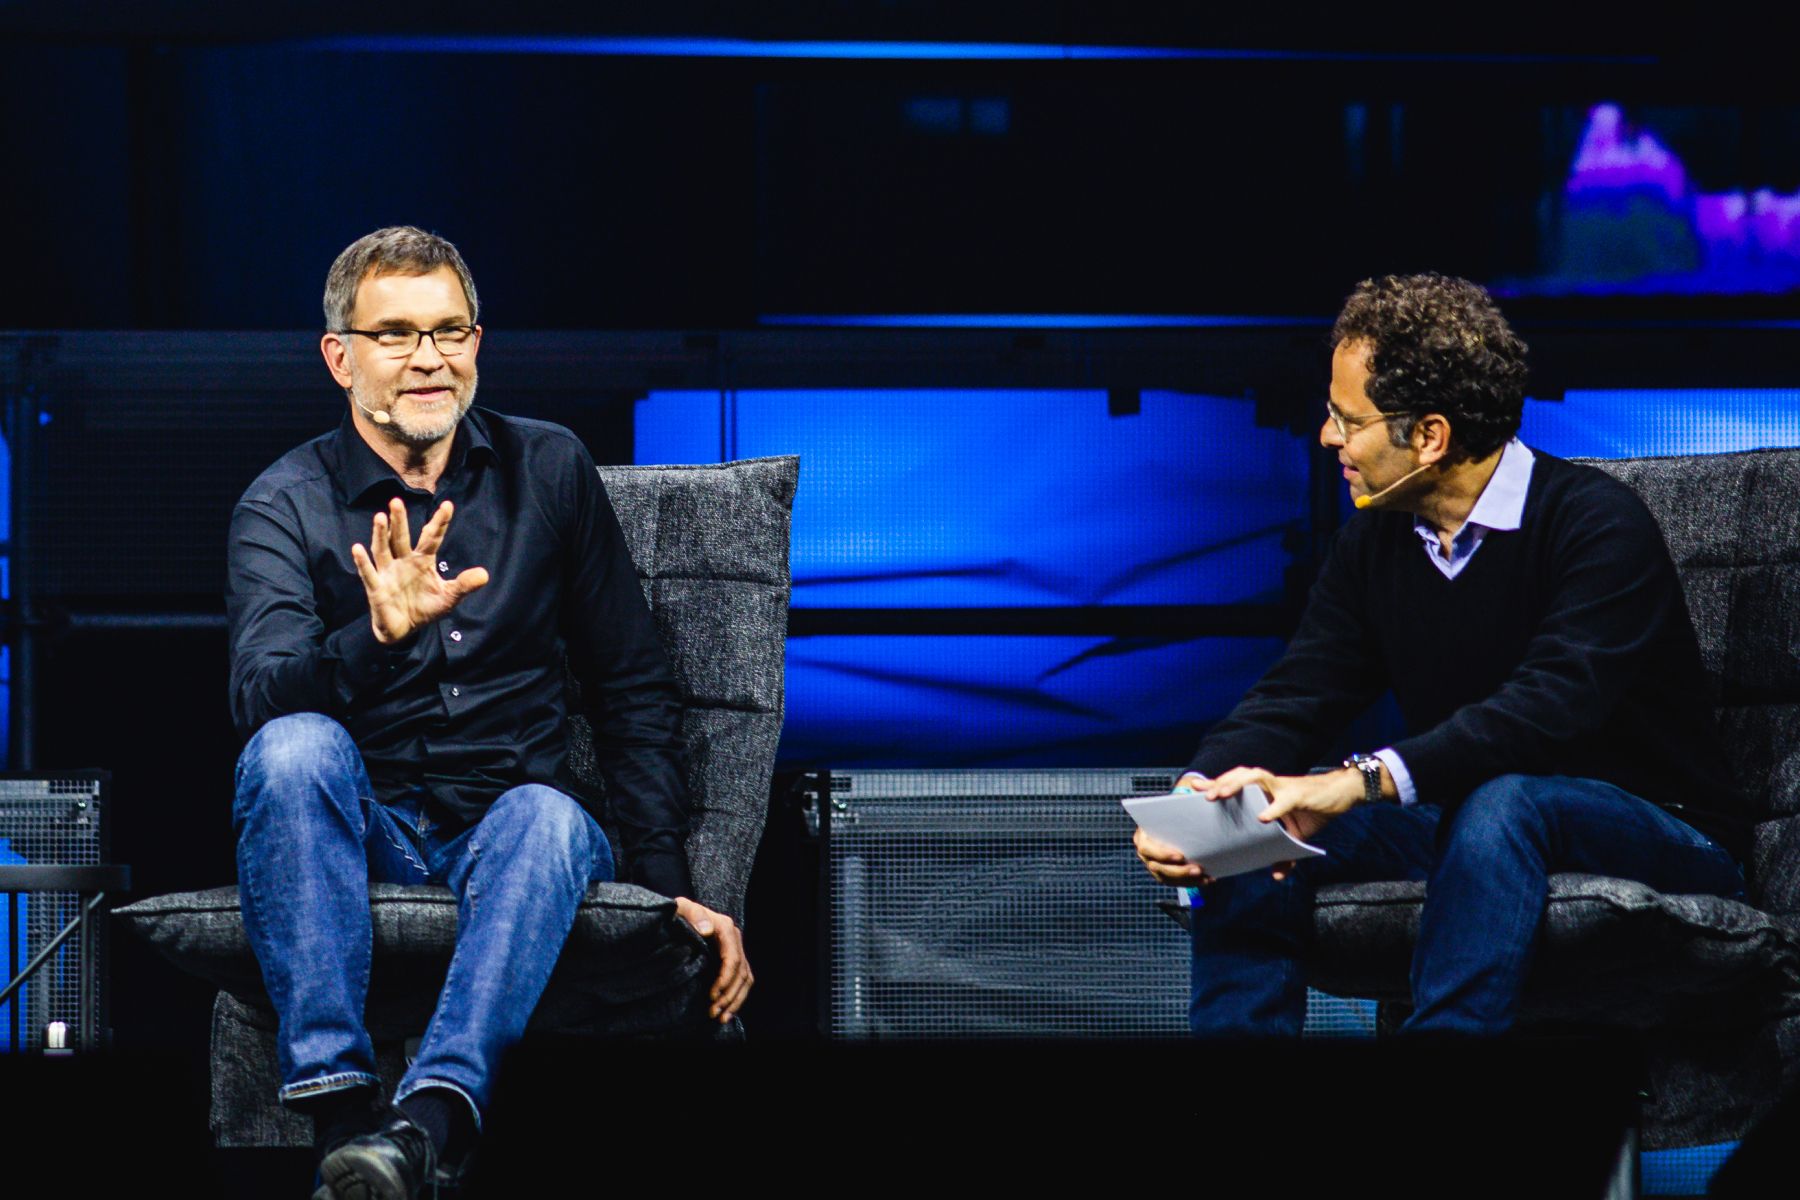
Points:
point(1614, 158)
point(1633, 224)
point(1721, 220)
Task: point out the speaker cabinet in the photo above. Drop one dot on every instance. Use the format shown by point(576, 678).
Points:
point(50, 820)
point(995, 904)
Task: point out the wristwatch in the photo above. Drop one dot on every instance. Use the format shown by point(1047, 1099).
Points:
point(1370, 766)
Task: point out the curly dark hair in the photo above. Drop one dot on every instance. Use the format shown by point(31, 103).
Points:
point(1438, 345)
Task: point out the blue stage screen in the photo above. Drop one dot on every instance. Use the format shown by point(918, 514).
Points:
point(1639, 423)
point(1010, 701)
point(978, 499)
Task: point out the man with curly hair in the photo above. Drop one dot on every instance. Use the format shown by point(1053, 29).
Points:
point(1526, 615)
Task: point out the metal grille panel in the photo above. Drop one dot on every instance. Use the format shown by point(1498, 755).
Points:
point(1007, 904)
point(46, 821)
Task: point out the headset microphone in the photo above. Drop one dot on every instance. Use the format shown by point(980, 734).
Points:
point(375, 414)
point(1364, 501)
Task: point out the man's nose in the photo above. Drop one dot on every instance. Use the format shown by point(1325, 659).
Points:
point(1328, 433)
point(426, 356)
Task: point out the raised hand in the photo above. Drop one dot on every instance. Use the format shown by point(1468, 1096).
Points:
point(405, 590)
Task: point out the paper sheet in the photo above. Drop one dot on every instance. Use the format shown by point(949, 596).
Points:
point(1224, 836)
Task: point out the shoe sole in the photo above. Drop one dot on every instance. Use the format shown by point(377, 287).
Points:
point(352, 1173)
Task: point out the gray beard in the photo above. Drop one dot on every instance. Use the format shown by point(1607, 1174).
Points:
point(418, 436)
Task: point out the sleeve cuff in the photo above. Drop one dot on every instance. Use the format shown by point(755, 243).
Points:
point(664, 874)
point(361, 660)
point(1403, 781)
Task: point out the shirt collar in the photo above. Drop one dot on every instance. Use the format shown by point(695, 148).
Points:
point(1501, 504)
point(359, 469)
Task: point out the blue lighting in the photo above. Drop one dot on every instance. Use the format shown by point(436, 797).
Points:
point(1032, 321)
point(678, 47)
point(987, 499)
point(15, 933)
point(935, 499)
point(874, 701)
point(696, 47)
point(1641, 423)
point(1684, 1172)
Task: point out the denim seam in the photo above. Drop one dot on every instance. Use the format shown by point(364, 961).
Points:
point(324, 1084)
point(402, 847)
point(474, 863)
point(426, 1042)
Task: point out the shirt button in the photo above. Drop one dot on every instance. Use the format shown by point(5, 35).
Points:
point(443, 566)
point(456, 691)
point(456, 635)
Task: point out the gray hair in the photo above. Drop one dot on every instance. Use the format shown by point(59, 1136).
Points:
point(398, 249)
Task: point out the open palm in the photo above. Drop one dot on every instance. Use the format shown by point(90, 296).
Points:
point(405, 589)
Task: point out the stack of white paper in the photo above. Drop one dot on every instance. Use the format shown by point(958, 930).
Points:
point(1223, 836)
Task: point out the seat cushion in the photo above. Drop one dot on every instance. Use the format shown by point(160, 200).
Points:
point(627, 946)
point(1611, 949)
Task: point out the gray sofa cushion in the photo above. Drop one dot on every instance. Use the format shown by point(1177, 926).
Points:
point(1611, 950)
point(1733, 531)
point(627, 947)
point(711, 547)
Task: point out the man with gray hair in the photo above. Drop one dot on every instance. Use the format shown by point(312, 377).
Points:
point(405, 712)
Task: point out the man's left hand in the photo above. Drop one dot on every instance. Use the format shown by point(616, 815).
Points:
point(733, 983)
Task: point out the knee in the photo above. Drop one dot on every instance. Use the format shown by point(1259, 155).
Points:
point(299, 748)
point(1503, 808)
point(540, 820)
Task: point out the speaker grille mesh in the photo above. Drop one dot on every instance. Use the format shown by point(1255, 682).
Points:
point(989, 904)
point(44, 822)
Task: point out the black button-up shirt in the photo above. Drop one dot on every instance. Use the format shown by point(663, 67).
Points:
point(473, 704)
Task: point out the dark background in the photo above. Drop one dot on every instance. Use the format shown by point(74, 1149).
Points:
point(155, 152)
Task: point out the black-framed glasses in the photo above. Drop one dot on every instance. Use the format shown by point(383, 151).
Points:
point(450, 340)
point(1349, 425)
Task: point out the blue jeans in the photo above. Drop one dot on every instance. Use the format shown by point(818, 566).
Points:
point(310, 839)
point(1486, 871)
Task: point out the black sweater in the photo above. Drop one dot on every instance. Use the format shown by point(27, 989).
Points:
point(1562, 648)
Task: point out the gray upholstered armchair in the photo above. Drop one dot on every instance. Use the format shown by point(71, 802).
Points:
point(1713, 986)
point(711, 548)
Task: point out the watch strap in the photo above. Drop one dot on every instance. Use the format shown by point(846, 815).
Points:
point(1370, 766)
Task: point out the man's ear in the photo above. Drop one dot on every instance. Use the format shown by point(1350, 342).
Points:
point(337, 358)
point(1431, 438)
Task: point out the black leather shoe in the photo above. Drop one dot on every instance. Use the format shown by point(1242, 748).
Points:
point(350, 1122)
point(451, 1176)
point(392, 1163)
